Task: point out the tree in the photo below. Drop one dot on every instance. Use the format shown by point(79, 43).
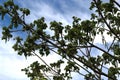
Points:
point(74, 43)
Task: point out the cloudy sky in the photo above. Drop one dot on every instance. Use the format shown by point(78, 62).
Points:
point(59, 10)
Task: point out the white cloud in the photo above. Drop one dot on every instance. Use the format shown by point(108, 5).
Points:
point(108, 38)
point(41, 9)
point(11, 63)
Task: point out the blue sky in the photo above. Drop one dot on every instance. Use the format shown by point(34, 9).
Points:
point(59, 10)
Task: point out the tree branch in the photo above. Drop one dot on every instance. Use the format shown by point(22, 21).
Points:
point(99, 11)
point(45, 63)
point(117, 3)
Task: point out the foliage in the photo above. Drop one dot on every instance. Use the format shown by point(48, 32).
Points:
point(74, 43)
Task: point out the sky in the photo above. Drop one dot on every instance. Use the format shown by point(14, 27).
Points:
point(59, 10)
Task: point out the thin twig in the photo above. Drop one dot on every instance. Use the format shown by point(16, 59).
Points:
point(45, 63)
